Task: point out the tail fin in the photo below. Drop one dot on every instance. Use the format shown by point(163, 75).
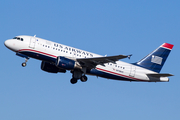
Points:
point(156, 59)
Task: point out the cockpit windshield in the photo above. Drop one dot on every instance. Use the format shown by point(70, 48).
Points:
point(18, 38)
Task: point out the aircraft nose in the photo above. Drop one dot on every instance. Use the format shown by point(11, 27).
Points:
point(7, 43)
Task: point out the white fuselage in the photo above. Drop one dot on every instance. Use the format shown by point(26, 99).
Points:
point(118, 70)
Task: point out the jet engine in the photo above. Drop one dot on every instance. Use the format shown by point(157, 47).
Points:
point(65, 63)
point(51, 68)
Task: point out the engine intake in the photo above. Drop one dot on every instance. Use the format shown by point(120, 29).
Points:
point(65, 63)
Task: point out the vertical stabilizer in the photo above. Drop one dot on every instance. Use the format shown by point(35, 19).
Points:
point(156, 59)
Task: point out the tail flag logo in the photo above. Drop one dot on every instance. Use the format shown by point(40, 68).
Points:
point(156, 59)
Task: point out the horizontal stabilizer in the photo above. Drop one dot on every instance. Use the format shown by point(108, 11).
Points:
point(160, 75)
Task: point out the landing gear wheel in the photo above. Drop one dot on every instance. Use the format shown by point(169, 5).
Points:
point(23, 64)
point(73, 81)
point(84, 78)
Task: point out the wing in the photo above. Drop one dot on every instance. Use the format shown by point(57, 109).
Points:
point(93, 62)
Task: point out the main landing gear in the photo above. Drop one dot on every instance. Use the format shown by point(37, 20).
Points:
point(25, 63)
point(78, 74)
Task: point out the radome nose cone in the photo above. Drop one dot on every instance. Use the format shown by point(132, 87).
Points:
point(10, 44)
point(7, 43)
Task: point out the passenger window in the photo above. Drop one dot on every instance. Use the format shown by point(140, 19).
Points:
point(21, 39)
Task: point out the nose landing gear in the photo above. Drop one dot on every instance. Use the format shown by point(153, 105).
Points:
point(24, 63)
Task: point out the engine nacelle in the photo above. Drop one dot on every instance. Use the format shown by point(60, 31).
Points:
point(48, 67)
point(65, 63)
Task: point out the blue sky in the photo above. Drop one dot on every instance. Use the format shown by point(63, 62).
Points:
point(100, 26)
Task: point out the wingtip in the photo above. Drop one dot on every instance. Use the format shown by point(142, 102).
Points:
point(129, 56)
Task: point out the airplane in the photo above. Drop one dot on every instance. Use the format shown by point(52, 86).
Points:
point(57, 58)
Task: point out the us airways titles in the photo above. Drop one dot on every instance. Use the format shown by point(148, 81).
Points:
point(76, 51)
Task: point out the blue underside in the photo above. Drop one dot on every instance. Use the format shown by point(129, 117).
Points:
point(92, 71)
point(107, 75)
point(39, 56)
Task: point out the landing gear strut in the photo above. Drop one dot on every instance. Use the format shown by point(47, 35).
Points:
point(78, 74)
point(24, 63)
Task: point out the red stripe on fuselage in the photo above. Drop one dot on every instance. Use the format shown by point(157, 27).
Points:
point(168, 46)
point(119, 74)
point(22, 50)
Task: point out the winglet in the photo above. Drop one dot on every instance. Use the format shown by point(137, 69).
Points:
point(129, 56)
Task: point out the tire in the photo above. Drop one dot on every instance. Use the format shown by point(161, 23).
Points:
point(73, 81)
point(24, 64)
point(84, 78)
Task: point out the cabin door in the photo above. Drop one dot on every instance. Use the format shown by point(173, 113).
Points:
point(133, 71)
point(32, 42)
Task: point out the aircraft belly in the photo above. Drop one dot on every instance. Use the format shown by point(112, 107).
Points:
point(39, 56)
point(107, 75)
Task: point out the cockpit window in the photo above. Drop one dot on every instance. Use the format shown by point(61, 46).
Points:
point(18, 38)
